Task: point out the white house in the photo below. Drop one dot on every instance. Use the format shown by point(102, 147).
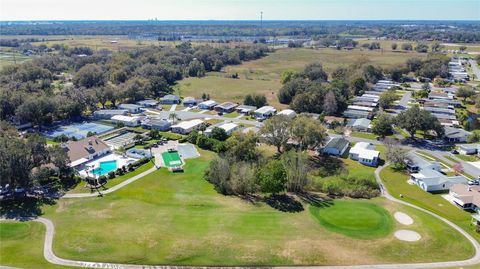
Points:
point(186, 127)
point(132, 108)
point(209, 104)
point(109, 113)
point(148, 103)
point(288, 113)
point(265, 112)
point(456, 135)
point(365, 153)
point(416, 163)
point(336, 146)
point(432, 180)
point(468, 149)
point(229, 128)
point(126, 120)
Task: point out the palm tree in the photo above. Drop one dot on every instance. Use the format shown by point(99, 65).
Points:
point(173, 116)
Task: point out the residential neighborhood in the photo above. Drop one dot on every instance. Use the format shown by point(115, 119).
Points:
point(240, 134)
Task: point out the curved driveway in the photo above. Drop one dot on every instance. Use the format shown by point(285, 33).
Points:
point(52, 258)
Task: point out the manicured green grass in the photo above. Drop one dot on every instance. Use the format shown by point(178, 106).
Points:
point(80, 188)
point(364, 135)
point(396, 184)
point(355, 219)
point(178, 218)
point(232, 115)
point(22, 245)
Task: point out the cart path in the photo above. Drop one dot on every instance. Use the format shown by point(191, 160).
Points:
point(52, 258)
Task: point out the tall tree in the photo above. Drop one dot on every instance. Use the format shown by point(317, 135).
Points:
point(272, 177)
point(330, 106)
point(296, 168)
point(308, 132)
point(276, 131)
point(89, 76)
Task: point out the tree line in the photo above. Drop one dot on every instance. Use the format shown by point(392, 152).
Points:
point(67, 84)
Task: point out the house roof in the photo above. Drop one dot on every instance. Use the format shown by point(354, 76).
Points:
point(420, 162)
point(451, 132)
point(469, 146)
point(125, 118)
point(111, 112)
point(362, 122)
point(208, 103)
point(188, 124)
point(148, 102)
point(361, 108)
point(287, 112)
point(265, 109)
point(129, 106)
point(245, 107)
point(365, 150)
point(80, 149)
point(227, 105)
point(171, 97)
point(338, 143)
point(159, 122)
point(466, 193)
point(433, 177)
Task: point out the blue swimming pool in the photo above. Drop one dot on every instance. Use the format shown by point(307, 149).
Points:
point(105, 167)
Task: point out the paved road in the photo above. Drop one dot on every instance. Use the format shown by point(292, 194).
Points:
point(405, 98)
point(112, 189)
point(52, 258)
point(467, 168)
point(475, 68)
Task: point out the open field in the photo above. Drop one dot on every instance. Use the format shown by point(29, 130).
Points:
point(396, 183)
point(262, 76)
point(167, 218)
point(387, 44)
point(222, 89)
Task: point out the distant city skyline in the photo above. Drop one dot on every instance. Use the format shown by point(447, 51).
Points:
point(240, 10)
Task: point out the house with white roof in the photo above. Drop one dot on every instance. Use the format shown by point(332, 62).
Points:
point(126, 120)
point(186, 127)
point(148, 103)
point(106, 114)
point(416, 163)
point(209, 104)
point(433, 180)
point(469, 149)
point(288, 113)
point(365, 153)
point(228, 127)
point(132, 108)
point(265, 112)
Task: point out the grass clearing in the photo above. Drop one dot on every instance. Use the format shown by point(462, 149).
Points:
point(232, 115)
point(467, 158)
point(364, 135)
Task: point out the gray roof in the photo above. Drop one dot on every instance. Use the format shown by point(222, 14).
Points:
point(170, 97)
point(451, 132)
point(147, 102)
point(129, 106)
point(337, 143)
point(111, 112)
point(159, 122)
point(246, 107)
point(417, 160)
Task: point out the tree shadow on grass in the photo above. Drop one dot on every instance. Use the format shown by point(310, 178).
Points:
point(284, 203)
point(327, 165)
point(315, 199)
point(22, 207)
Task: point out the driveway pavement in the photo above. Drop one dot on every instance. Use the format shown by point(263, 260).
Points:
point(404, 100)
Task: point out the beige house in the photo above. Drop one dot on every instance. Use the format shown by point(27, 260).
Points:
point(82, 151)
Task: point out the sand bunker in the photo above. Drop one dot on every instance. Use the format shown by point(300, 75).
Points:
point(403, 218)
point(407, 235)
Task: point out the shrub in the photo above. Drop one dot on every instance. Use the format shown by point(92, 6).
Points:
point(119, 171)
point(102, 178)
point(111, 175)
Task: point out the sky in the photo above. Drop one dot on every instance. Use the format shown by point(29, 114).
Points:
point(239, 9)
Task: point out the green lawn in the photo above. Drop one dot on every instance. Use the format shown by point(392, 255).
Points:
point(467, 158)
point(355, 219)
point(232, 115)
point(178, 218)
point(396, 184)
point(364, 135)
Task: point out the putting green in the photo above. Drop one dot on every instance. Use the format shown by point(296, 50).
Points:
point(356, 219)
point(171, 159)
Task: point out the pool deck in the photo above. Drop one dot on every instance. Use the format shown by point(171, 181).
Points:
point(121, 161)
